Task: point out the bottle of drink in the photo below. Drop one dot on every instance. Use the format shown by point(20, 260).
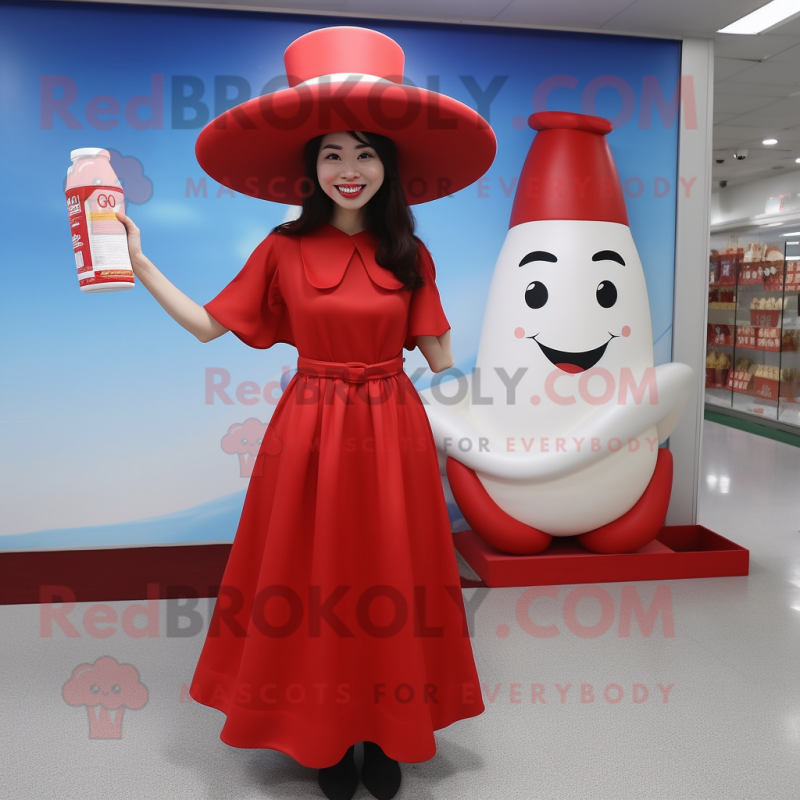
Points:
point(99, 239)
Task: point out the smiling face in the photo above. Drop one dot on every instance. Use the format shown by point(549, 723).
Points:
point(537, 297)
point(575, 292)
point(566, 298)
point(349, 171)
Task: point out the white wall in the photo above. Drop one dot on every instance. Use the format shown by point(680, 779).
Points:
point(691, 279)
point(750, 199)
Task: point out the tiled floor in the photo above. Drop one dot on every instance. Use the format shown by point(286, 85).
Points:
point(718, 711)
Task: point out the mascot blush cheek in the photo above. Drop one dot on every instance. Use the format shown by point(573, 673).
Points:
point(569, 401)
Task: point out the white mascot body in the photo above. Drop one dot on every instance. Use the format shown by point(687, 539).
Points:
point(562, 418)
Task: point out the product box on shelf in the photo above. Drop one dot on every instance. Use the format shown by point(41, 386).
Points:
point(768, 318)
point(790, 385)
point(728, 267)
point(716, 378)
point(790, 391)
point(713, 269)
point(759, 338)
point(717, 366)
point(765, 382)
point(793, 275)
point(739, 380)
point(745, 336)
point(766, 388)
point(773, 275)
point(751, 273)
point(720, 335)
point(768, 339)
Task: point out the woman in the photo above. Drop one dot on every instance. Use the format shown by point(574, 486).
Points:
point(340, 618)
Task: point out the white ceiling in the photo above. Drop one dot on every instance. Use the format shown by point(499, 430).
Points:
point(757, 78)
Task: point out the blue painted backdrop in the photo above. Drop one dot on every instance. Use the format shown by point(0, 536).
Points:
point(110, 433)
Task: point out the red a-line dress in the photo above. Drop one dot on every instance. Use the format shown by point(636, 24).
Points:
point(340, 617)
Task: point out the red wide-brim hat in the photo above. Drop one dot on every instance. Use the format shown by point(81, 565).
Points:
point(342, 79)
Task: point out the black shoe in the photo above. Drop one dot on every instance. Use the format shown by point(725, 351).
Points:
point(380, 774)
point(340, 781)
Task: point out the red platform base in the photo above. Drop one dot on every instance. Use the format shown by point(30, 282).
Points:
point(681, 551)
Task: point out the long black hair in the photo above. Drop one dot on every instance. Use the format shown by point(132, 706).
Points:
point(389, 216)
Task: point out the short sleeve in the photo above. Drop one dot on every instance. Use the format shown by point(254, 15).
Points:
point(251, 304)
point(426, 316)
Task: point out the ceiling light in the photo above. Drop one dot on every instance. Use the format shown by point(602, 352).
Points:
point(772, 225)
point(797, 161)
point(770, 141)
point(763, 19)
point(793, 233)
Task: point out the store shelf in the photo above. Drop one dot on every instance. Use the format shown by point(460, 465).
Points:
point(754, 386)
point(790, 414)
point(718, 397)
point(765, 409)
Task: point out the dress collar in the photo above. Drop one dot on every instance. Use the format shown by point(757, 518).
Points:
point(327, 252)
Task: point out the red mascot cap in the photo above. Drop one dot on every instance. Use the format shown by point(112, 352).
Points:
point(569, 172)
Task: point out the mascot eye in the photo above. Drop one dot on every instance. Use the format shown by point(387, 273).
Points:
point(536, 295)
point(606, 294)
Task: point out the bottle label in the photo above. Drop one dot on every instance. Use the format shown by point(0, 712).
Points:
point(99, 239)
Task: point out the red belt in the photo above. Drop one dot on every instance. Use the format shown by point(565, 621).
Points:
point(350, 371)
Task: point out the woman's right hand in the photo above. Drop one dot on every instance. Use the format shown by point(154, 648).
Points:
point(138, 258)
